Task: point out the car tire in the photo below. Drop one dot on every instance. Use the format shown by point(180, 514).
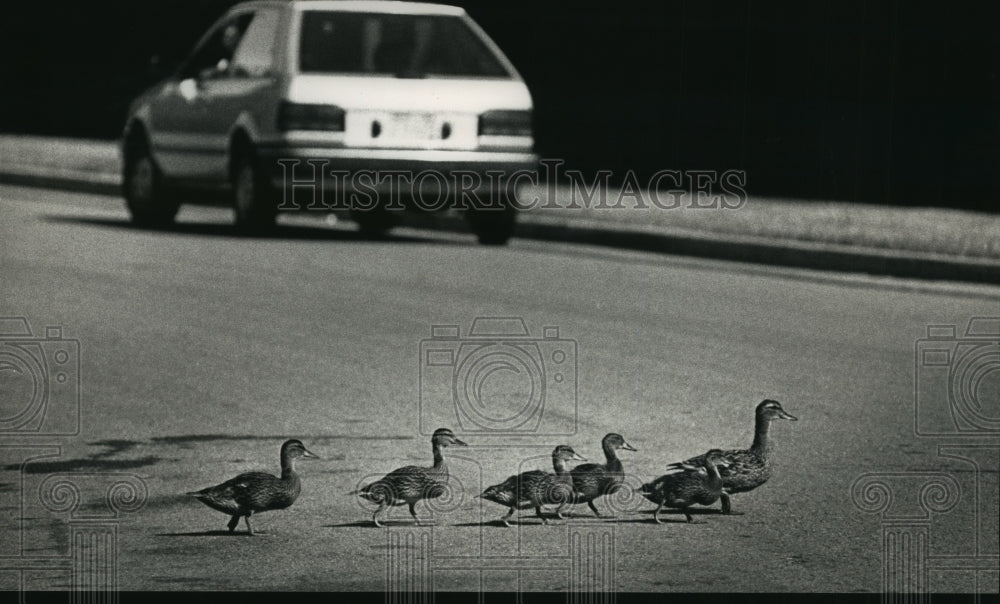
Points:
point(148, 201)
point(255, 207)
point(376, 222)
point(493, 226)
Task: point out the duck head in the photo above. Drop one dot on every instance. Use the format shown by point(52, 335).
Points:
point(444, 437)
point(617, 441)
point(294, 449)
point(716, 457)
point(770, 409)
point(566, 453)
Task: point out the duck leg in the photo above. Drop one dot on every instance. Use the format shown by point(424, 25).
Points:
point(538, 510)
point(233, 522)
point(594, 507)
point(656, 513)
point(506, 519)
point(690, 519)
point(413, 512)
point(247, 520)
point(375, 515)
point(559, 511)
point(727, 507)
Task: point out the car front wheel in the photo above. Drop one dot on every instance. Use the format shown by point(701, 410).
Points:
point(254, 201)
point(493, 225)
point(147, 200)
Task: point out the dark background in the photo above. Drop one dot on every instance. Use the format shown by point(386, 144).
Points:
point(872, 101)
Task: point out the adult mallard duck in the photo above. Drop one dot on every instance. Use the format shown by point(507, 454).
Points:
point(410, 484)
point(747, 468)
point(258, 491)
point(537, 488)
point(593, 480)
point(681, 490)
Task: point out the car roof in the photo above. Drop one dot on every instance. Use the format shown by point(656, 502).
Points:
point(377, 6)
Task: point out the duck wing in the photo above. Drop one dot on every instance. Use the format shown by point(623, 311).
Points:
point(588, 468)
point(732, 456)
point(505, 493)
point(409, 483)
point(590, 480)
point(676, 488)
point(248, 491)
point(515, 491)
point(546, 488)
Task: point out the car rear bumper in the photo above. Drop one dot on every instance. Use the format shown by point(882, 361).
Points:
point(380, 168)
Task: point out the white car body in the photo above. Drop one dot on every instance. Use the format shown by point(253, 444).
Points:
point(194, 125)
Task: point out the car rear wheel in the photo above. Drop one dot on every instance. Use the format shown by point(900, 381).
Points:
point(147, 200)
point(376, 222)
point(494, 225)
point(254, 200)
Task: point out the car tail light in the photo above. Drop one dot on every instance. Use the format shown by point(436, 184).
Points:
point(505, 123)
point(297, 116)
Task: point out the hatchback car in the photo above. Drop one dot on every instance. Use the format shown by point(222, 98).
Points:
point(287, 105)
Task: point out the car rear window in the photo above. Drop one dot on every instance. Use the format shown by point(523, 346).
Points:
point(416, 46)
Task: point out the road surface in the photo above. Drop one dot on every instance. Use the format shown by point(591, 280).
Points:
point(200, 352)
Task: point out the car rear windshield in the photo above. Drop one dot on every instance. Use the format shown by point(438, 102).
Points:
point(415, 46)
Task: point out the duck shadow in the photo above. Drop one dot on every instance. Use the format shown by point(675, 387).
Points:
point(669, 516)
point(219, 533)
point(279, 232)
point(385, 524)
point(514, 523)
point(664, 519)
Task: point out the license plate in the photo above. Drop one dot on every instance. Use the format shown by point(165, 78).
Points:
point(412, 126)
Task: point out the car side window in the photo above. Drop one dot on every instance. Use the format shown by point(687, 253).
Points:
point(212, 58)
point(255, 55)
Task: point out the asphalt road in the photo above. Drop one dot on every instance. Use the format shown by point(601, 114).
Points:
point(201, 351)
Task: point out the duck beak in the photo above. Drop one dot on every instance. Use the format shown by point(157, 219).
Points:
point(307, 454)
point(628, 447)
point(460, 443)
point(578, 457)
point(785, 415)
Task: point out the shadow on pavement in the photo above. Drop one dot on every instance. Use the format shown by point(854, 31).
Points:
point(210, 534)
point(280, 232)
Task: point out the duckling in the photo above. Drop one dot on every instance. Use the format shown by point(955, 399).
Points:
point(681, 490)
point(537, 488)
point(410, 484)
point(748, 468)
point(258, 491)
point(594, 480)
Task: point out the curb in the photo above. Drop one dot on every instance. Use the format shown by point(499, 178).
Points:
point(64, 180)
point(757, 250)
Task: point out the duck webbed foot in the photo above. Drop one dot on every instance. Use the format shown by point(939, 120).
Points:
point(375, 516)
point(505, 520)
point(538, 511)
point(691, 520)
